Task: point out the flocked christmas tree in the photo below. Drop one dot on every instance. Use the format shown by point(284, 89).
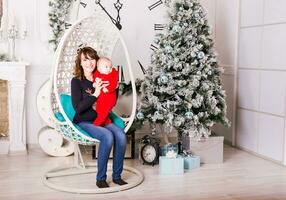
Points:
point(58, 12)
point(182, 87)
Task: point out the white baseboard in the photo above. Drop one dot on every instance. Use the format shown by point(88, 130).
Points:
point(33, 146)
point(4, 146)
point(259, 155)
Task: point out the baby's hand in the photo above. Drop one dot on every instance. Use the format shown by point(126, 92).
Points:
point(105, 90)
point(97, 80)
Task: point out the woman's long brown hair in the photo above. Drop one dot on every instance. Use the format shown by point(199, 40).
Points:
point(86, 51)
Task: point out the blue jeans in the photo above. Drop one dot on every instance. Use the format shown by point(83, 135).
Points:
point(108, 135)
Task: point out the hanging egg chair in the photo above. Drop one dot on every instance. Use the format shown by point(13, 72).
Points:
point(99, 33)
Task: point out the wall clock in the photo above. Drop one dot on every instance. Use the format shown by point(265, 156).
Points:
point(138, 20)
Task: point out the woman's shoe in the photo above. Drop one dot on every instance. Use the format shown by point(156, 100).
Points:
point(120, 182)
point(102, 184)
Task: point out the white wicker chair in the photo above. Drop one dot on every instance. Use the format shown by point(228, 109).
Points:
point(99, 33)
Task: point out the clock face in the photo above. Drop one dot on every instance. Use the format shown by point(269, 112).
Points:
point(138, 20)
point(149, 153)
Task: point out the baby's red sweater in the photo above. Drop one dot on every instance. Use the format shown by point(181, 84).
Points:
point(106, 101)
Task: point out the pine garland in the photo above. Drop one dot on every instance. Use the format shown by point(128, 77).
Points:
point(4, 57)
point(59, 10)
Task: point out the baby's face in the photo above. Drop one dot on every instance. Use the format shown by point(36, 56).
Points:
point(104, 66)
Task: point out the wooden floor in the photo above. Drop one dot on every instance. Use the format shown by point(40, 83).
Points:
point(241, 177)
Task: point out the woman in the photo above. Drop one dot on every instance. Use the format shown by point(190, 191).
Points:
point(83, 97)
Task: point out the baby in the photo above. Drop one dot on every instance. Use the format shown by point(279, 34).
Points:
point(107, 98)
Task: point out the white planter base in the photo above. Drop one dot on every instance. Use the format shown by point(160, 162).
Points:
point(209, 149)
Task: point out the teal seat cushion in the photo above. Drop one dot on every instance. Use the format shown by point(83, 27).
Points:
point(117, 120)
point(61, 118)
point(67, 105)
point(66, 102)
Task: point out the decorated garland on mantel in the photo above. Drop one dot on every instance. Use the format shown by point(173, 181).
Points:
point(59, 10)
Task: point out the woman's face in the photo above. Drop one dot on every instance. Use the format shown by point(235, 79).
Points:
point(88, 64)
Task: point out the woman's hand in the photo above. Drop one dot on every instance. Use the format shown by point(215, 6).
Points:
point(88, 91)
point(98, 86)
point(99, 82)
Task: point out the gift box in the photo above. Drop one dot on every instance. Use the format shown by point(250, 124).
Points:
point(191, 162)
point(168, 147)
point(171, 166)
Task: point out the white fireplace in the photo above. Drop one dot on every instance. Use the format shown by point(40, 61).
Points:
point(15, 74)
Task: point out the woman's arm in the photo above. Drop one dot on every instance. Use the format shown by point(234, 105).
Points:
point(79, 103)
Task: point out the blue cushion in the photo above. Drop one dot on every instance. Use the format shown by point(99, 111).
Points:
point(117, 120)
point(67, 105)
point(61, 118)
point(66, 102)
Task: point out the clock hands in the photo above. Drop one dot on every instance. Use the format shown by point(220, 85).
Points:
point(118, 6)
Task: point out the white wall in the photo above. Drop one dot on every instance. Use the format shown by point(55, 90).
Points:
point(226, 41)
point(36, 50)
point(261, 78)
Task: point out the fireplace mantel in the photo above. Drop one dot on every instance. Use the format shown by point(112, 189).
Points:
point(15, 74)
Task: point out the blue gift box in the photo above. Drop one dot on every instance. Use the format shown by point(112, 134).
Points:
point(171, 166)
point(191, 162)
point(168, 147)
